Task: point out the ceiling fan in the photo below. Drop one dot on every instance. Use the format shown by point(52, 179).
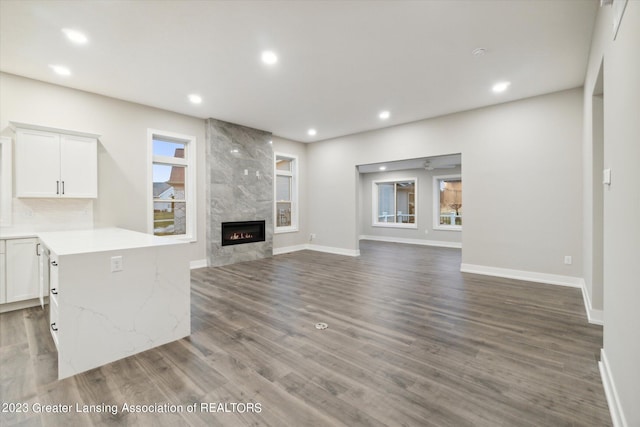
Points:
point(429, 165)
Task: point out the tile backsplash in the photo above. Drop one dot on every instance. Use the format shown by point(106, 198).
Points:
point(52, 214)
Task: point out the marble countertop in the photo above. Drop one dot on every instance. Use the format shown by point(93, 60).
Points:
point(100, 240)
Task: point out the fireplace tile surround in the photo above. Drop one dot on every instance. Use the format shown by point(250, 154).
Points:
point(235, 195)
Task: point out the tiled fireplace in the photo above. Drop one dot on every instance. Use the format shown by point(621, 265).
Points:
point(239, 193)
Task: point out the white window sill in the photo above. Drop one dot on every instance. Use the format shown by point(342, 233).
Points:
point(282, 230)
point(394, 225)
point(447, 227)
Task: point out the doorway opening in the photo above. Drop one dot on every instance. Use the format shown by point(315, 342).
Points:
point(596, 272)
point(417, 201)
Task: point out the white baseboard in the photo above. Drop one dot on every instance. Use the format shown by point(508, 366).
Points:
point(288, 249)
point(413, 241)
point(198, 263)
point(530, 276)
point(19, 305)
point(331, 250)
point(595, 316)
point(317, 248)
point(617, 415)
point(352, 252)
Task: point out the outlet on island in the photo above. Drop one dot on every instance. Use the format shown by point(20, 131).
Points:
point(116, 264)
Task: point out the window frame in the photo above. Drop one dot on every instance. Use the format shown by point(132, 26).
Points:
point(436, 202)
point(294, 192)
point(375, 199)
point(189, 162)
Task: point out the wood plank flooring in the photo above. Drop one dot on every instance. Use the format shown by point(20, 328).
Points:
point(411, 342)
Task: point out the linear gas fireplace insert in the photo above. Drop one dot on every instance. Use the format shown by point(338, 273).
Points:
point(239, 232)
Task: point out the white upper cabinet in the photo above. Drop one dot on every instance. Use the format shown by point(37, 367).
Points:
point(53, 163)
point(37, 164)
point(78, 166)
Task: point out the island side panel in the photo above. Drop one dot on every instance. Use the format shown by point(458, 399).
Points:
point(105, 316)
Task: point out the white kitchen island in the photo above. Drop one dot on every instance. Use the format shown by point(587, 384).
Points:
point(114, 293)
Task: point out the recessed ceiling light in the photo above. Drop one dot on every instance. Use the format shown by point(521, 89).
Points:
point(501, 87)
point(312, 132)
point(195, 99)
point(384, 115)
point(75, 36)
point(60, 70)
point(270, 141)
point(382, 168)
point(269, 57)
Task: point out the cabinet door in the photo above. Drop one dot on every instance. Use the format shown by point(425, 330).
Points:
point(37, 164)
point(22, 269)
point(78, 166)
point(3, 276)
point(44, 273)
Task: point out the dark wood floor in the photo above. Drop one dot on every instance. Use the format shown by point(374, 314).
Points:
point(411, 342)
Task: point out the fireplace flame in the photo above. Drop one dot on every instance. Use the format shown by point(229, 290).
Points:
point(240, 236)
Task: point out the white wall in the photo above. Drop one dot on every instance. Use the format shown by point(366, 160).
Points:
point(592, 155)
point(122, 153)
point(522, 176)
point(424, 208)
point(301, 237)
point(621, 293)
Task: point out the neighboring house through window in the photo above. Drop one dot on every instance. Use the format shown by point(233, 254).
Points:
point(173, 184)
point(286, 193)
point(447, 202)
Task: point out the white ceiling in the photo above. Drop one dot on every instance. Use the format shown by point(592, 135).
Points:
point(340, 62)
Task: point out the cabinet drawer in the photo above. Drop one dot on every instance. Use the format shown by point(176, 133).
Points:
point(53, 297)
point(54, 287)
point(53, 319)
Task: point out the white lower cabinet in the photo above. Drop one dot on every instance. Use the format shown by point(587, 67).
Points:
point(3, 275)
point(22, 269)
point(53, 318)
point(54, 290)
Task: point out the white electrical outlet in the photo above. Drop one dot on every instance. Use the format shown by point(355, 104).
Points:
point(312, 236)
point(568, 260)
point(116, 264)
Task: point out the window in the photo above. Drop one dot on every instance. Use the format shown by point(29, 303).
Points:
point(447, 201)
point(172, 182)
point(286, 193)
point(395, 203)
